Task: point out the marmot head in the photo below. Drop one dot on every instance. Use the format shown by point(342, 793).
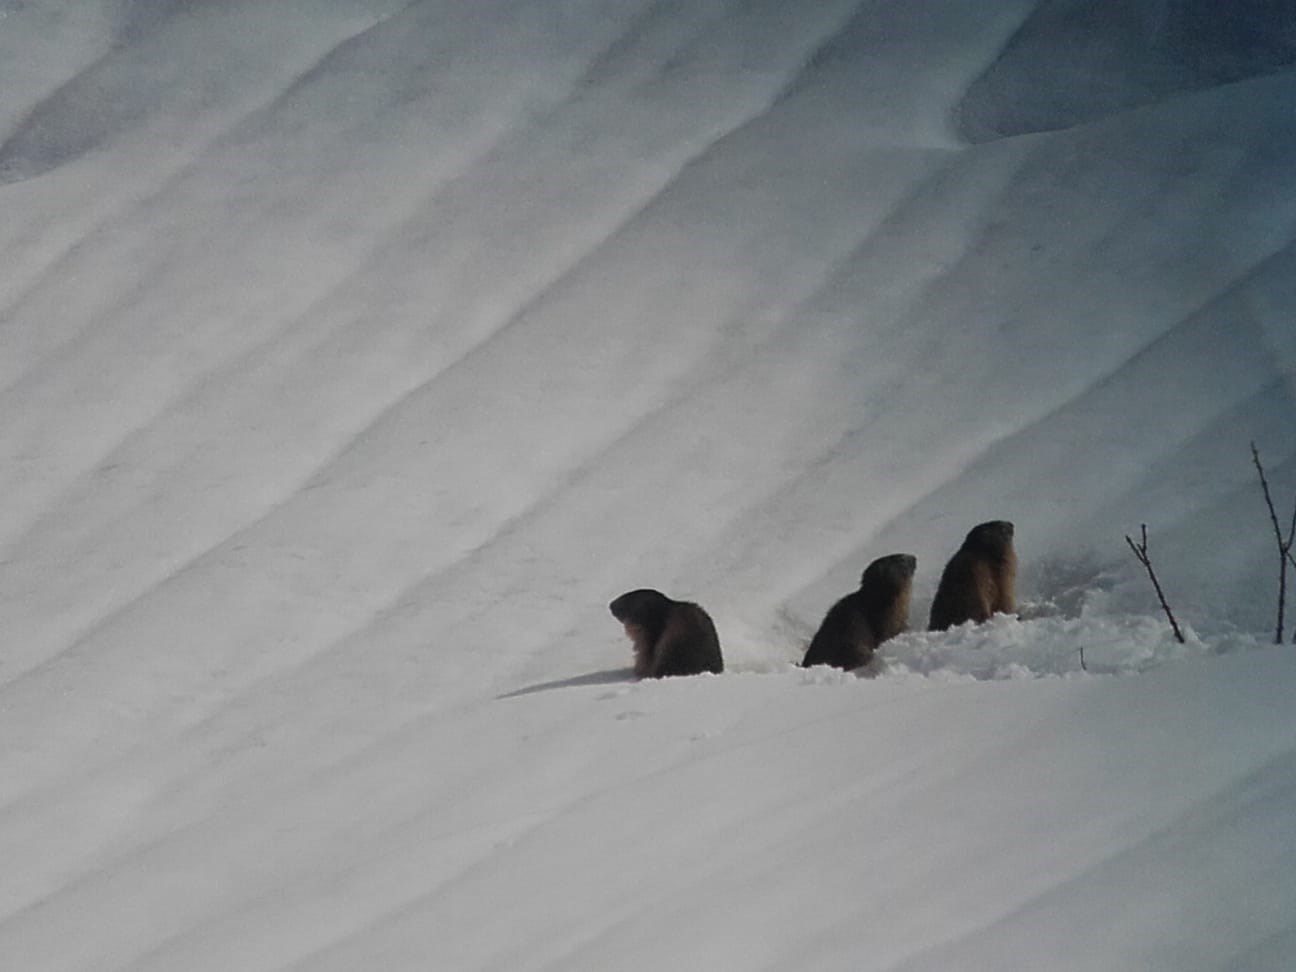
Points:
point(993, 539)
point(891, 573)
point(644, 609)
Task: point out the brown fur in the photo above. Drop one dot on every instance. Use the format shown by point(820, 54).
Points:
point(669, 637)
point(642, 649)
point(862, 620)
point(979, 580)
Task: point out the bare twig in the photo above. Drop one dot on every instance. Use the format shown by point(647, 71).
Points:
point(1141, 552)
point(1284, 544)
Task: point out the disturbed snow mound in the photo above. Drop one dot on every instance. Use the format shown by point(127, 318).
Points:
point(1074, 62)
point(1007, 648)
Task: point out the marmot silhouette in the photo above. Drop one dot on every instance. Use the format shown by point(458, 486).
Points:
point(854, 626)
point(670, 637)
point(979, 580)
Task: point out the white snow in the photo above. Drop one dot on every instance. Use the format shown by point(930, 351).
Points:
point(355, 353)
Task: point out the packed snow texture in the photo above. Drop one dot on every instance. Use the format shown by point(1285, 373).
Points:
point(355, 353)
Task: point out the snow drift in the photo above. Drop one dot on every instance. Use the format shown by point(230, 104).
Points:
point(355, 353)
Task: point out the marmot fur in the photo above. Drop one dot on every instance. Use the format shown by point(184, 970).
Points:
point(979, 580)
point(670, 637)
point(859, 622)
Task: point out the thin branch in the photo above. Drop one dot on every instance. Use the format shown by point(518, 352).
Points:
point(1141, 552)
point(1284, 544)
point(1291, 559)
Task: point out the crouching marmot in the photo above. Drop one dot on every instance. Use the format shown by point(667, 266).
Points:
point(979, 580)
point(670, 637)
point(860, 621)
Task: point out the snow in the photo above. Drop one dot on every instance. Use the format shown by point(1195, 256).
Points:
point(355, 353)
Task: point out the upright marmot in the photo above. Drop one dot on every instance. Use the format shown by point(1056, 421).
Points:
point(979, 579)
point(859, 622)
point(670, 637)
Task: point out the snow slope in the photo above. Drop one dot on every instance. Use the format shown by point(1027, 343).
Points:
point(355, 353)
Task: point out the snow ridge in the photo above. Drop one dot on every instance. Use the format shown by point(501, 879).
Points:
point(355, 353)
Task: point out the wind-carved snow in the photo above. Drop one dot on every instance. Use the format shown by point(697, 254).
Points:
point(355, 353)
point(1073, 63)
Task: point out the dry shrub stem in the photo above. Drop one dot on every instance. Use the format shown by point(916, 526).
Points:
point(1141, 552)
point(1284, 545)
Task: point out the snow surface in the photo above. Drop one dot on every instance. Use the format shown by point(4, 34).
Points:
point(355, 353)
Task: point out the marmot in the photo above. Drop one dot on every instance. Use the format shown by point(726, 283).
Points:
point(979, 580)
point(859, 622)
point(670, 637)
